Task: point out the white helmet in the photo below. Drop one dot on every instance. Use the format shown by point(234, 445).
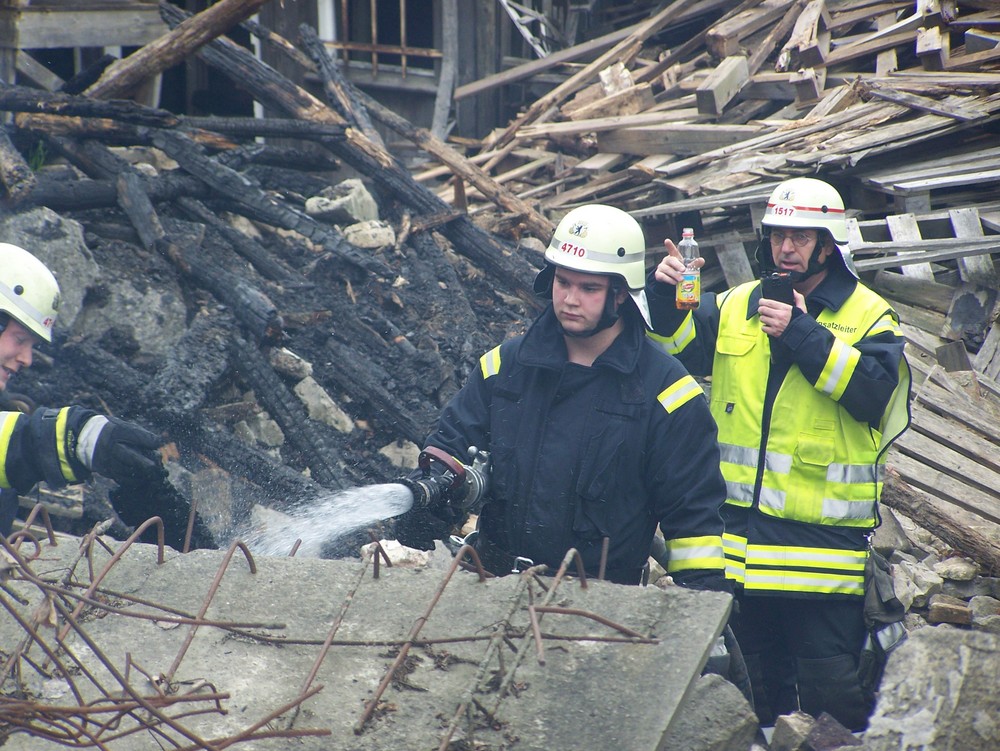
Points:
point(600, 239)
point(29, 293)
point(808, 203)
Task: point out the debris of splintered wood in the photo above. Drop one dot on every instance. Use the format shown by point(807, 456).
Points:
point(369, 158)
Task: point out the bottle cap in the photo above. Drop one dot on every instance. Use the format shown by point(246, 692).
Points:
point(687, 232)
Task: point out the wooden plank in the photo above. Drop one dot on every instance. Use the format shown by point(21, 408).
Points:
point(919, 317)
point(980, 41)
point(527, 70)
point(810, 38)
point(629, 101)
point(599, 162)
point(680, 139)
point(981, 449)
point(933, 47)
point(722, 85)
point(923, 103)
point(903, 227)
point(732, 257)
point(987, 360)
point(936, 250)
point(925, 464)
point(927, 294)
point(808, 83)
point(723, 39)
point(597, 125)
point(80, 26)
point(974, 269)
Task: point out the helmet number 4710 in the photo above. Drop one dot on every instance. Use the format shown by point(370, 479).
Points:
point(575, 250)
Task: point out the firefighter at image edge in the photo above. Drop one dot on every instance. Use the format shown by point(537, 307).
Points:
point(807, 398)
point(59, 446)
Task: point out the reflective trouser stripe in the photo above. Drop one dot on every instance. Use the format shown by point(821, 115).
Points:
point(792, 569)
point(703, 552)
point(6, 431)
point(735, 548)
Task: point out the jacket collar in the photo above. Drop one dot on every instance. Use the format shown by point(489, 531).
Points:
point(544, 347)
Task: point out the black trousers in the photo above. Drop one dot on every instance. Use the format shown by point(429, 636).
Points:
point(803, 654)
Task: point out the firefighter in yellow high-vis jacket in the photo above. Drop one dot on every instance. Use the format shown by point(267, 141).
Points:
point(808, 394)
point(59, 446)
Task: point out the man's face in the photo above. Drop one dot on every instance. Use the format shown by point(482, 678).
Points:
point(791, 248)
point(578, 299)
point(16, 351)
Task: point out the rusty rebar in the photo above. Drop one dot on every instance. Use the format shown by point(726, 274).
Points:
point(95, 582)
point(418, 624)
point(37, 509)
point(208, 600)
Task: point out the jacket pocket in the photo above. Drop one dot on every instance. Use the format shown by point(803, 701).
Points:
point(596, 485)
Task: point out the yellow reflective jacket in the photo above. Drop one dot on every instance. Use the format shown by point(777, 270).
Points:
point(803, 474)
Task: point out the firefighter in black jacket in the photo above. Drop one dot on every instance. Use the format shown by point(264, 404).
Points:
point(594, 434)
point(59, 446)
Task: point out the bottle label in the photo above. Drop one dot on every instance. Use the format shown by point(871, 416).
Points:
point(689, 289)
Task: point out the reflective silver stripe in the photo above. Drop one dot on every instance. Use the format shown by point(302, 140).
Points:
point(745, 456)
point(679, 393)
point(855, 474)
point(778, 463)
point(742, 455)
point(838, 509)
point(27, 309)
point(735, 571)
point(800, 581)
point(741, 492)
point(490, 363)
point(840, 358)
point(759, 555)
point(734, 546)
point(681, 552)
point(772, 499)
point(675, 344)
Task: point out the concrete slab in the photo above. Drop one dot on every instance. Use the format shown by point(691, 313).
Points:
point(586, 682)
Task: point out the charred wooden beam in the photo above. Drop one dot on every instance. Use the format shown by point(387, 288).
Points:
point(174, 47)
point(277, 92)
point(267, 127)
point(15, 174)
point(131, 394)
point(251, 306)
point(237, 188)
point(340, 93)
point(25, 99)
point(286, 409)
point(251, 250)
point(350, 97)
point(76, 195)
point(105, 129)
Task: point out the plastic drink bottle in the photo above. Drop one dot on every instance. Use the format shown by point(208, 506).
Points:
point(689, 289)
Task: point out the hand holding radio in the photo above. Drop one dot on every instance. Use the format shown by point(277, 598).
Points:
point(776, 302)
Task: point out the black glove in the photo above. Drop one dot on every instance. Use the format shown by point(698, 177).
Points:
point(420, 527)
point(120, 450)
